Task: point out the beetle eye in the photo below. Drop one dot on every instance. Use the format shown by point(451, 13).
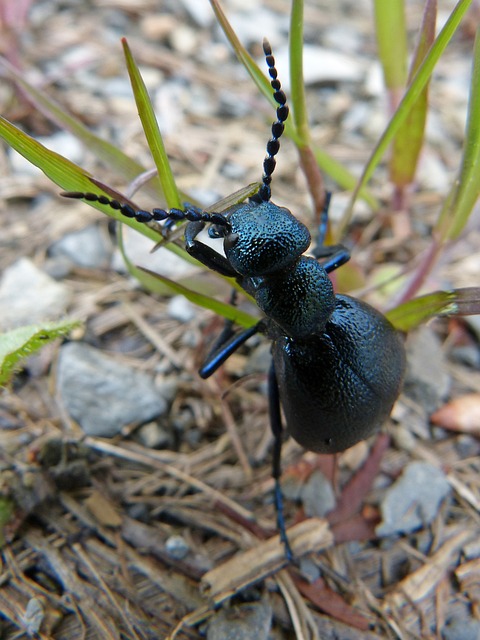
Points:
point(230, 241)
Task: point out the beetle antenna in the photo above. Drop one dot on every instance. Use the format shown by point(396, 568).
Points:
point(278, 127)
point(190, 213)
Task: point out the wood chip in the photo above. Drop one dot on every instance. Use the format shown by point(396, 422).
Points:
point(267, 557)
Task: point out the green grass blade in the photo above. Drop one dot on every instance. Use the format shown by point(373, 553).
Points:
point(297, 90)
point(408, 141)
point(391, 35)
point(155, 142)
point(63, 172)
point(458, 302)
point(60, 170)
point(152, 131)
point(164, 286)
point(411, 96)
point(70, 177)
point(466, 189)
point(22, 342)
point(235, 198)
point(228, 311)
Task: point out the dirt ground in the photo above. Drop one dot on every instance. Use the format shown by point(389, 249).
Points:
point(164, 529)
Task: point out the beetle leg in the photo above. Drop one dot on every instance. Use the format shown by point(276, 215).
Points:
point(335, 255)
point(227, 344)
point(277, 431)
point(205, 254)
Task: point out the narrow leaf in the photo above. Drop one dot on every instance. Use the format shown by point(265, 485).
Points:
point(458, 302)
point(164, 286)
point(24, 341)
point(466, 190)
point(391, 35)
point(152, 131)
point(227, 311)
point(409, 139)
point(298, 99)
point(66, 174)
point(235, 198)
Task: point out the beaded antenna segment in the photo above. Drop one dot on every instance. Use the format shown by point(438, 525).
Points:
point(278, 127)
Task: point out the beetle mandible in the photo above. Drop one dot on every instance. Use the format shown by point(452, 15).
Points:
point(337, 363)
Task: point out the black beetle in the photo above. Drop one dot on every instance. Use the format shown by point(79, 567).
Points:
point(337, 363)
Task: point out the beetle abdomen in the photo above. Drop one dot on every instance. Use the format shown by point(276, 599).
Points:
point(338, 386)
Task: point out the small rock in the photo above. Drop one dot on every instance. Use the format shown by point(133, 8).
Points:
point(321, 65)
point(249, 25)
point(345, 36)
point(468, 355)
point(33, 617)
point(103, 395)
point(200, 12)
point(259, 360)
point(427, 380)
point(233, 171)
point(432, 173)
point(309, 569)
point(317, 495)
point(87, 248)
point(230, 106)
point(163, 261)
point(169, 103)
point(181, 309)
point(157, 27)
point(28, 296)
point(461, 629)
point(184, 40)
point(241, 622)
point(153, 436)
point(177, 547)
point(413, 500)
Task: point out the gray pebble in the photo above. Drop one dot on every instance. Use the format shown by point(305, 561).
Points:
point(200, 12)
point(322, 65)
point(413, 500)
point(461, 629)
point(177, 547)
point(28, 295)
point(309, 569)
point(181, 309)
point(154, 436)
point(241, 622)
point(427, 380)
point(139, 250)
point(102, 394)
point(317, 495)
point(468, 355)
point(88, 248)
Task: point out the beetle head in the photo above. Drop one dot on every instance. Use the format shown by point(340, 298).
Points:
point(263, 238)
